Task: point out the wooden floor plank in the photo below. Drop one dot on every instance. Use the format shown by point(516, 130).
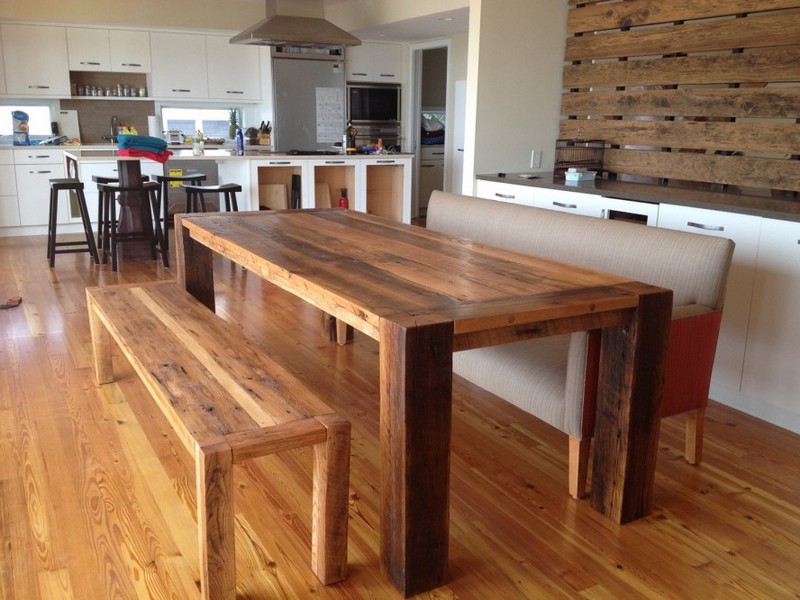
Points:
point(97, 495)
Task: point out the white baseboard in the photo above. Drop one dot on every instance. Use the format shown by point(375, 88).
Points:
point(776, 415)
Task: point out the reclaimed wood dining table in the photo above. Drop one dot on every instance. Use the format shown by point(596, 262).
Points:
point(424, 295)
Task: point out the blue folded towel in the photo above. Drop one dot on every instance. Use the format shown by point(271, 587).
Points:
point(141, 142)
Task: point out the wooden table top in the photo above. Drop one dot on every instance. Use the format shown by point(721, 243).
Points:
point(362, 269)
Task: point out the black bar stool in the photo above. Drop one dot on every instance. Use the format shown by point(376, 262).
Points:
point(110, 236)
point(99, 179)
point(87, 245)
point(195, 196)
point(162, 216)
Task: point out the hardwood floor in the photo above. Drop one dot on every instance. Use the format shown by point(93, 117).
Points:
point(96, 496)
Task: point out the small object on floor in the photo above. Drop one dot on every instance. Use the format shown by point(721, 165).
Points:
point(11, 302)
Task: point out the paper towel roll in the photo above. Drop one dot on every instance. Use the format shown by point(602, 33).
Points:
point(154, 126)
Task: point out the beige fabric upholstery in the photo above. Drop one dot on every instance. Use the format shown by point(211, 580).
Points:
point(546, 376)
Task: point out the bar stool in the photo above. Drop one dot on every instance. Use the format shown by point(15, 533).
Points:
point(99, 179)
point(87, 245)
point(110, 236)
point(161, 213)
point(195, 196)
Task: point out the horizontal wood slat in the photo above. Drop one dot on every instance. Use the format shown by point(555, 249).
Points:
point(745, 137)
point(692, 102)
point(612, 15)
point(699, 77)
point(752, 32)
point(755, 67)
point(732, 170)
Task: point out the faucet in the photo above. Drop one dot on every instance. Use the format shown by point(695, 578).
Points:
point(113, 137)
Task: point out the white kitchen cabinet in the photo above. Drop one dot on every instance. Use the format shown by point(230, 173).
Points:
point(271, 183)
point(234, 71)
point(575, 203)
point(179, 65)
point(387, 185)
point(376, 62)
point(88, 49)
point(505, 192)
point(430, 175)
point(617, 209)
point(130, 51)
point(34, 168)
point(35, 59)
point(9, 208)
point(771, 372)
point(744, 231)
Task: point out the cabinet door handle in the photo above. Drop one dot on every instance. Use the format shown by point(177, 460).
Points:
point(564, 205)
point(90, 62)
point(360, 74)
point(131, 64)
point(38, 172)
point(505, 196)
point(387, 75)
point(233, 92)
point(334, 162)
point(426, 166)
point(280, 162)
point(38, 87)
point(180, 90)
point(38, 156)
point(386, 161)
point(705, 227)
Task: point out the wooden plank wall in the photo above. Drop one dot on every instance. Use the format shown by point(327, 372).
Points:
point(688, 90)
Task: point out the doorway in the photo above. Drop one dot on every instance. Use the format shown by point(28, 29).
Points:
point(430, 106)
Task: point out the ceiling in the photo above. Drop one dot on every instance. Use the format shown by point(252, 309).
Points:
point(433, 26)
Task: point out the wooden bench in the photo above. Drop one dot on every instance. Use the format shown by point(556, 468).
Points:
point(227, 401)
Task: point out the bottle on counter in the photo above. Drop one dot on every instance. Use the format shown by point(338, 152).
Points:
point(343, 203)
point(351, 133)
point(239, 142)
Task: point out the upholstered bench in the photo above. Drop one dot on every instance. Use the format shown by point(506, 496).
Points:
point(555, 378)
point(227, 401)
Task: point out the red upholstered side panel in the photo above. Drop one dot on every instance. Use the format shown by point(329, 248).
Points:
point(690, 357)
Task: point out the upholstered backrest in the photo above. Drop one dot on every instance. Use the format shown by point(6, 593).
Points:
point(694, 266)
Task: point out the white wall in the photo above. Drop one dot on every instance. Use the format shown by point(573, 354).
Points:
point(515, 63)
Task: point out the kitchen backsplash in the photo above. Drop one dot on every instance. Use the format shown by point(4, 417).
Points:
point(94, 116)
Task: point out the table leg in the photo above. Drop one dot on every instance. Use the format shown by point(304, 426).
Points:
point(195, 265)
point(632, 363)
point(416, 371)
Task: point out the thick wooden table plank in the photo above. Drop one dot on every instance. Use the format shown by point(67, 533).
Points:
point(423, 295)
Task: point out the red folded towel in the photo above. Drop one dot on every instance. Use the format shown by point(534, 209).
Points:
point(158, 157)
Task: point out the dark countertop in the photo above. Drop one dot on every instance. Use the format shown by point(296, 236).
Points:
point(787, 209)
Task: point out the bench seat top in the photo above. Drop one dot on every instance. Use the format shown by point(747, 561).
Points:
point(209, 379)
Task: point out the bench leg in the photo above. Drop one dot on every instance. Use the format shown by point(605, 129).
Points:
point(101, 346)
point(694, 435)
point(330, 501)
point(215, 521)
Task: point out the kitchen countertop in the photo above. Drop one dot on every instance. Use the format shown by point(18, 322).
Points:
point(709, 197)
point(96, 154)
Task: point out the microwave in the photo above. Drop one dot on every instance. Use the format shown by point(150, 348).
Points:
point(373, 103)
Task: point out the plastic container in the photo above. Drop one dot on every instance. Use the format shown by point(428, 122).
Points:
point(239, 142)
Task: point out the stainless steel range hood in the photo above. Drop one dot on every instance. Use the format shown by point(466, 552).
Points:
point(295, 23)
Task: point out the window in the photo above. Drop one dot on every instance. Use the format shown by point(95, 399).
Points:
point(38, 119)
point(213, 122)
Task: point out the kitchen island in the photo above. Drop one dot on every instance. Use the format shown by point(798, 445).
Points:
point(375, 184)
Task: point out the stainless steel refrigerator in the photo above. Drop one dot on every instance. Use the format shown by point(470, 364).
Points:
point(309, 103)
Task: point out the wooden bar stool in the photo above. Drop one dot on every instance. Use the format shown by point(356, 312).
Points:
point(99, 179)
point(162, 216)
point(195, 196)
point(110, 236)
point(87, 245)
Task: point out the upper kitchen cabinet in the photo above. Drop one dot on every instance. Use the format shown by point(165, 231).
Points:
point(233, 70)
point(88, 49)
point(373, 61)
point(35, 59)
point(130, 51)
point(179, 65)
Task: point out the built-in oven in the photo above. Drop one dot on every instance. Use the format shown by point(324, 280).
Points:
point(373, 103)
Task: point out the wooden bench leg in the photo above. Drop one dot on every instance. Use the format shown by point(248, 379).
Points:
point(215, 521)
point(578, 465)
point(330, 501)
point(694, 435)
point(101, 345)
